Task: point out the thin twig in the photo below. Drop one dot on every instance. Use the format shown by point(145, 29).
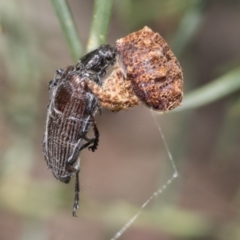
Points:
point(216, 89)
point(100, 22)
point(68, 27)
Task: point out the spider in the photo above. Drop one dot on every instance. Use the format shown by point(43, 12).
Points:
point(146, 71)
point(71, 112)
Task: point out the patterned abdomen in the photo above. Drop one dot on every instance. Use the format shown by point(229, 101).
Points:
point(156, 76)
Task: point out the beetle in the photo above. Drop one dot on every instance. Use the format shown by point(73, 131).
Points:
point(71, 112)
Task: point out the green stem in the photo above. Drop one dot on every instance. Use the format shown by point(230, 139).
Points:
point(216, 89)
point(99, 28)
point(68, 28)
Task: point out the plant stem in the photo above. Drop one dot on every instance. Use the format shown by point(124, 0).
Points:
point(68, 27)
point(216, 89)
point(99, 28)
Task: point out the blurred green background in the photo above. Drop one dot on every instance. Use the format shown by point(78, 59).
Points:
point(131, 163)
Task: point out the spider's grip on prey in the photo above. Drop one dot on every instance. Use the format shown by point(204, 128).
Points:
point(146, 71)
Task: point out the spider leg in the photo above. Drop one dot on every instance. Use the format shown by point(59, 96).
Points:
point(72, 159)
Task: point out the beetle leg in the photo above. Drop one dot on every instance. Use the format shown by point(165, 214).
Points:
point(72, 158)
point(75, 169)
point(53, 83)
point(94, 141)
point(96, 133)
point(76, 197)
point(79, 147)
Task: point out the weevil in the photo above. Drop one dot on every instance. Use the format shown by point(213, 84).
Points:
point(71, 112)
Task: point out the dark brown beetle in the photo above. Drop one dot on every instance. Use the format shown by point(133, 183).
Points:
point(71, 111)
